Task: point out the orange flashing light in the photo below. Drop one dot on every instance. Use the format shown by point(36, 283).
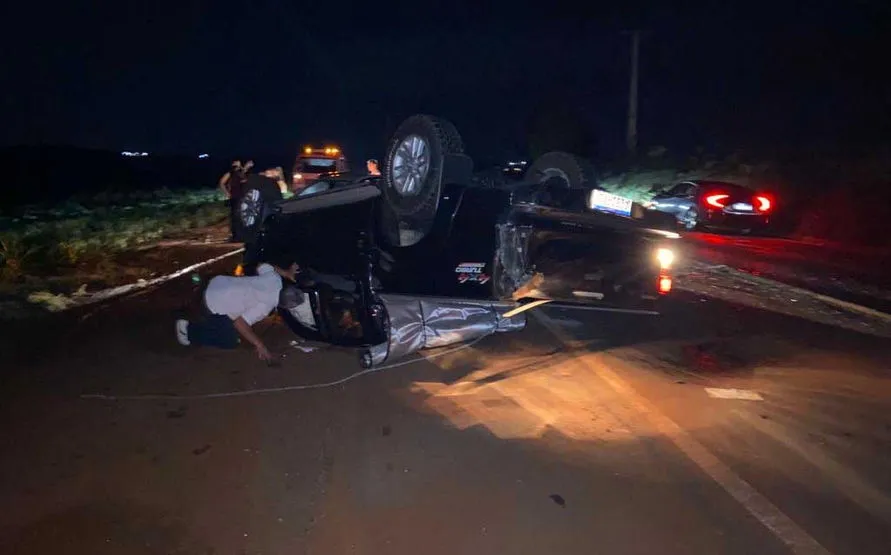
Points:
point(327, 151)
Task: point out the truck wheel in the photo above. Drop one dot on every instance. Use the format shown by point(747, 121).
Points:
point(413, 173)
point(567, 168)
point(254, 207)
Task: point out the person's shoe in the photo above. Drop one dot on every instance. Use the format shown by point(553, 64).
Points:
point(182, 332)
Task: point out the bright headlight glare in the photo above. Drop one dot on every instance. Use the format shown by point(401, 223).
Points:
point(665, 258)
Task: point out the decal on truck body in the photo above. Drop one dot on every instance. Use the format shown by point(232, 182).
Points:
point(472, 272)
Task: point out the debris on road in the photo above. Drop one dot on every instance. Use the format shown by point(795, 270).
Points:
point(302, 347)
point(178, 413)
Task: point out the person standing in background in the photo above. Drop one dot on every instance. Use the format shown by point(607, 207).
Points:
point(232, 185)
point(228, 183)
point(227, 177)
point(278, 175)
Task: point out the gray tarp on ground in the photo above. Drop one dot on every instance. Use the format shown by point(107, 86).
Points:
point(426, 322)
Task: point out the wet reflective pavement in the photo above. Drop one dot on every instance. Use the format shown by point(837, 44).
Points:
point(856, 274)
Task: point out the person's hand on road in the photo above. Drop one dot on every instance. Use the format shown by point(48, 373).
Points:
point(264, 354)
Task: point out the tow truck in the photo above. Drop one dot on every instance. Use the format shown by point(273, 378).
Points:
point(313, 162)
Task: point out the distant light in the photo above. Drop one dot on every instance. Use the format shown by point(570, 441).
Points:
point(138, 154)
point(203, 156)
point(307, 150)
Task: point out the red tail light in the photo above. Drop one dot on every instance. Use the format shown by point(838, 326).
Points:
point(764, 203)
point(664, 284)
point(717, 201)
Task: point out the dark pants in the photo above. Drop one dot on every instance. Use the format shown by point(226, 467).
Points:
point(233, 217)
point(213, 330)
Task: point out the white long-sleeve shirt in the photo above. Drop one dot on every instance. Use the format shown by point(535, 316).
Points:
point(251, 297)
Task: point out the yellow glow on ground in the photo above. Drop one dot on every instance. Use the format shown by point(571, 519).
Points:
point(525, 397)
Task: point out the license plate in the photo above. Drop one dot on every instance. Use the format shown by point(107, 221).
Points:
point(742, 206)
point(608, 202)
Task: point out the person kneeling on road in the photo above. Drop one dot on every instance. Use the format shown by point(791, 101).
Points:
point(233, 304)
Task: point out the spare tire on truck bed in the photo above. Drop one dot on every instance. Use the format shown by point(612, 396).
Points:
point(561, 167)
point(256, 203)
point(422, 153)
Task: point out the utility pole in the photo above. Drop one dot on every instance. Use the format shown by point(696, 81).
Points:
point(631, 138)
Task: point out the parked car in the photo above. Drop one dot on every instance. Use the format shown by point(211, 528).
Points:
point(425, 255)
point(715, 205)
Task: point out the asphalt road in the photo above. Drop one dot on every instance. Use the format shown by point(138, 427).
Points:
point(585, 433)
point(859, 275)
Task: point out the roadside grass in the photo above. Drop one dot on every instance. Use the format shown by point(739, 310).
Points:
point(82, 236)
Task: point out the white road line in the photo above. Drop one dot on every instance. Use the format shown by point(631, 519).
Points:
point(741, 394)
point(847, 305)
point(848, 482)
point(768, 514)
point(852, 306)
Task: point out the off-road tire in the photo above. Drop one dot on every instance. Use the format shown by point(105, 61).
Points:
point(413, 212)
point(267, 194)
point(574, 171)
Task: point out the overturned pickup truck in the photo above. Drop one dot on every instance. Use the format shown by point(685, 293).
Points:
point(428, 254)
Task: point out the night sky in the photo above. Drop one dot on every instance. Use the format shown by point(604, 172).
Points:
point(220, 77)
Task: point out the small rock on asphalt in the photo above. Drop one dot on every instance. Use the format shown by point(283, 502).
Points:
point(178, 413)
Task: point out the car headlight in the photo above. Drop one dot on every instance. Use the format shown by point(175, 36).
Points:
point(298, 176)
point(665, 257)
